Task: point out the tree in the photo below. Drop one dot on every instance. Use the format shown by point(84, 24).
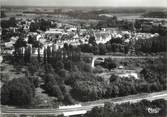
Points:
point(33, 67)
point(108, 46)
point(102, 49)
point(96, 112)
point(48, 53)
point(33, 27)
point(58, 66)
point(64, 74)
point(19, 54)
point(34, 80)
point(66, 46)
point(45, 56)
point(18, 92)
point(116, 90)
point(12, 22)
point(68, 98)
point(44, 24)
point(92, 40)
point(3, 14)
point(109, 63)
point(27, 54)
point(56, 91)
point(20, 43)
point(68, 65)
point(31, 39)
point(113, 78)
point(49, 83)
point(84, 67)
point(39, 55)
point(95, 49)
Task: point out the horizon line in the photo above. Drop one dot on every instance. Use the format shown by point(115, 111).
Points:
point(84, 6)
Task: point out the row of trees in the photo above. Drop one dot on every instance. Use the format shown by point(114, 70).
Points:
point(51, 55)
point(156, 44)
point(22, 52)
point(62, 58)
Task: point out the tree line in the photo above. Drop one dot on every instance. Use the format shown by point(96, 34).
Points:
point(156, 44)
point(114, 45)
point(139, 109)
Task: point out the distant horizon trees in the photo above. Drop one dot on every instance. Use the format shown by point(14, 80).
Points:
point(155, 14)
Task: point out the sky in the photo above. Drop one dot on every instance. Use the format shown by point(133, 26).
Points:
point(114, 3)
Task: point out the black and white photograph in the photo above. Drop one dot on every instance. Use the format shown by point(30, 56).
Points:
point(83, 58)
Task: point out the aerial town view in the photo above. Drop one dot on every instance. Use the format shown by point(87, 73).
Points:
point(83, 58)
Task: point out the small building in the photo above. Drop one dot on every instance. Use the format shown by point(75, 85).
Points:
point(120, 67)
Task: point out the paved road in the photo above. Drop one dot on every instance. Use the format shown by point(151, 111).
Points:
point(120, 57)
point(88, 105)
point(124, 57)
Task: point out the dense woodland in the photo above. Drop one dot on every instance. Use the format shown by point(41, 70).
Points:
point(152, 79)
point(59, 69)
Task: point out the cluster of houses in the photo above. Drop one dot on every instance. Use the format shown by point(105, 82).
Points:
point(105, 35)
point(72, 35)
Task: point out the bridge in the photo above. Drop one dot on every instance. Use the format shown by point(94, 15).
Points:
point(86, 106)
point(103, 57)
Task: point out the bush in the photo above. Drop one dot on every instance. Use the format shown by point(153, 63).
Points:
point(64, 74)
point(84, 67)
point(4, 77)
point(98, 69)
point(109, 64)
point(56, 91)
point(68, 99)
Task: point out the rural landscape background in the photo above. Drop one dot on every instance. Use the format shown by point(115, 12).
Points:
point(83, 61)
